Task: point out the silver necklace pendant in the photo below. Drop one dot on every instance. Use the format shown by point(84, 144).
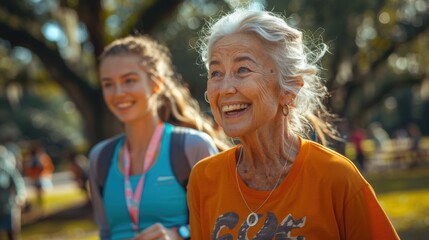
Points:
point(252, 219)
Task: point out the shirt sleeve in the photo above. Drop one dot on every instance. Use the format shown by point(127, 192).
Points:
point(193, 204)
point(364, 218)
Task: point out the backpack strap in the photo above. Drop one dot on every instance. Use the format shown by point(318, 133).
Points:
point(104, 161)
point(179, 162)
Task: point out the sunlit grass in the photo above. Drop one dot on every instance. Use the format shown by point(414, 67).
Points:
point(61, 229)
point(404, 195)
point(407, 209)
point(56, 200)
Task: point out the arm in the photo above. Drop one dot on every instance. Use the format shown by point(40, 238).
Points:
point(96, 198)
point(18, 181)
point(198, 145)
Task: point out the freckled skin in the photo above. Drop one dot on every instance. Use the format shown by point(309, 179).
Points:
point(242, 72)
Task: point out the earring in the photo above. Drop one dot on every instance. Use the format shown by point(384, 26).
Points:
point(205, 97)
point(285, 110)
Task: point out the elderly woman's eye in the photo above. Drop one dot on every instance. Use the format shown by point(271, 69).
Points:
point(215, 74)
point(243, 70)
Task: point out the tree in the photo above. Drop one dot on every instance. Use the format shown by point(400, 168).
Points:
point(376, 48)
point(70, 65)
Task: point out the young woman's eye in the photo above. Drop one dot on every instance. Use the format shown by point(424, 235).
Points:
point(106, 84)
point(129, 80)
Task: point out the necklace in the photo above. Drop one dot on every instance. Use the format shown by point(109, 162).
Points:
point(253, 218)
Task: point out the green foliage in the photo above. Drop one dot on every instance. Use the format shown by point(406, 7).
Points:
point(376, 48)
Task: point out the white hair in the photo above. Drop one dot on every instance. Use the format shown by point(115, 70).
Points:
point(293, 59)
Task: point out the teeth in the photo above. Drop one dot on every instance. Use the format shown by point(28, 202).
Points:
point(124, 105)
point(234, 107)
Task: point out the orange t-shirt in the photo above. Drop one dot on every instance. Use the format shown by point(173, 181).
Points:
point(323, 197)
point(45, 169)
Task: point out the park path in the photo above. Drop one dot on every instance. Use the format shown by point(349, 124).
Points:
point(66, 213)
point(63, 184)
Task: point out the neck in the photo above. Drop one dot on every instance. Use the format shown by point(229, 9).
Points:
point(138, 136)
point(265, 153)
point(269, 145)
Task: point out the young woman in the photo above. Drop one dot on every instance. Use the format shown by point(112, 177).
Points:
point(141, 198)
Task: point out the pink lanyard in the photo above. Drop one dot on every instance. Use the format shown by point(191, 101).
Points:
point(133, 200)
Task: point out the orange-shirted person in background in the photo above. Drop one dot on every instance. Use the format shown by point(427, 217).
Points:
point(39, 168)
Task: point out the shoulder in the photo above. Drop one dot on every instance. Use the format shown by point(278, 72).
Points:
point(329, 165)
point(207, 173)
point(326, 169)
point(324, 156)
point(191, 135)
point(216, 163)
point(197, 138)
point(95, 151)
point(197, 144)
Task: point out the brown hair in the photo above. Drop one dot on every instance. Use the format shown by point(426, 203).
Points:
point(174, 101)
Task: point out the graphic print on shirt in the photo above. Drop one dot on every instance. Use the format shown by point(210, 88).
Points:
point(269, 230)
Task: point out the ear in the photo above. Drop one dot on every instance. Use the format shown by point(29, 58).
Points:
point(287, 97)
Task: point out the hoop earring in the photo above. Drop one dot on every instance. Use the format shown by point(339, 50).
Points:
point(205, 97)
point(285, 110)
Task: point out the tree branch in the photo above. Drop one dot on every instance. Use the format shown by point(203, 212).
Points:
point(401, 83)
point(75, 86)
point(152, 16)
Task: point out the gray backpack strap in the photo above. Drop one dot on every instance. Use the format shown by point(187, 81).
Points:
point(104, 161)
point(179, 162)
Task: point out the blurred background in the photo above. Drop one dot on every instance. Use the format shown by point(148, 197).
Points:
point(50, 99)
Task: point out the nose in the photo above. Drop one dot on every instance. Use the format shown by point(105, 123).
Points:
point(228, 85)
point(118, 89)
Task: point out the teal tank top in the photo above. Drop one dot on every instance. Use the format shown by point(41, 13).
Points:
point(163, 198)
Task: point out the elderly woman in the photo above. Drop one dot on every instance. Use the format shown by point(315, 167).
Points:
point(276, 184)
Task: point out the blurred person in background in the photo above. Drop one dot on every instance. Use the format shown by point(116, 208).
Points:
point(381, 141)
point(141, 199)
point(264, 88)
point(38, 167)
point(357, 136)
point(418, 156)
point(12, 195)
point(79, 167)
point(14, 148)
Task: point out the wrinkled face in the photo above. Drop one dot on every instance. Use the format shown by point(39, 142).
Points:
point(126, 87)
point(242, 88)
